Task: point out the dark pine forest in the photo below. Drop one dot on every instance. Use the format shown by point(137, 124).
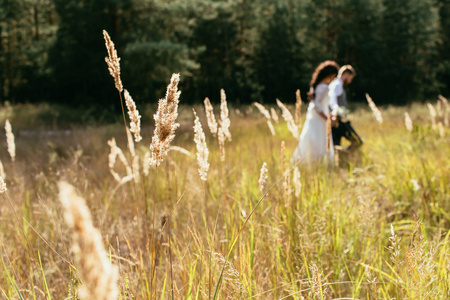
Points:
point(257, 50)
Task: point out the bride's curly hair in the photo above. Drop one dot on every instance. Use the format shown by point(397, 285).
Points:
point(324, 70)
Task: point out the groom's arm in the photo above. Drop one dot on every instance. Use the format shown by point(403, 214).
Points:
point(335, 90)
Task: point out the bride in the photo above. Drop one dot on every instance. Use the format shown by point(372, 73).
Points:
point(313, 139)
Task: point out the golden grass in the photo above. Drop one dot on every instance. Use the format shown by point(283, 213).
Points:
point(98, 274)
point(325, 234)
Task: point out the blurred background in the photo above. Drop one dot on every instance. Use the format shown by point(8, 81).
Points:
point(53, 50)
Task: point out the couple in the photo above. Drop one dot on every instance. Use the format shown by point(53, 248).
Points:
point(326, 91)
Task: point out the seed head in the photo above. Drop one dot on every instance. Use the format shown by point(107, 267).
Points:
point(202, 149)
point(274, 114)
point(263, 177)
point(272, 130)
point(374, 109)
point(433, 115)
point(297, 182)
point(2, 186)
point(298, 106)
point(98, 274)
point(212, 124)
point(408, 122)
point(117, 152)
point(287, 116)
point(113, 61)
point(165, 124)
point(10, 140)
point(262, 110)
point(224, 118)
point(221, 139)
point(135, 118)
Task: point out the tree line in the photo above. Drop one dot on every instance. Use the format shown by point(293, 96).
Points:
point(257, 50)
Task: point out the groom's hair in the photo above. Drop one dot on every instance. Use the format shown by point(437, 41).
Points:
point(346, 69)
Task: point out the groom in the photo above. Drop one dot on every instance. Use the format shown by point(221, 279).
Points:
point(339, 107)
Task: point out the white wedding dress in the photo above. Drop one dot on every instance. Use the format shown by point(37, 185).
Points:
point(312, 146)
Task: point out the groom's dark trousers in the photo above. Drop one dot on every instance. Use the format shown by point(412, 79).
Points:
point(346, 130)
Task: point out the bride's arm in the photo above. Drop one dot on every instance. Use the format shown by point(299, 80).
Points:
point(321, 92)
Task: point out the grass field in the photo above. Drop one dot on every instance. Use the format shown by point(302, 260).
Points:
point(376, 227)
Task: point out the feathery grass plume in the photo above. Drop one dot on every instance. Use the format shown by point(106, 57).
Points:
point(372, 281)
point(165, 124)
point(113, 61)
point(297, 182)
point(224, 118)
point(408, 122)
point(262, 110)
point(146, 165)
point(433, 115)
point(221, 139)
point(117, 152)
point(375, 110)
point(3, 188)
point(441, 130)
point(10, 140)
point(263, 177)
point(328, 133)
point(421, 265)
point(287, 116)
point(2, 170)
point(202, 148)
point(180, 149)
point(287, 189)
point(298, 106)
point(274, 114)
point(447, 109)
point(394, 248)
point(211, 119)
point(266, 114)
point(135, 118)
point(135, 167)
point(271, 128)
point(98, 274)
point(286, 183)
point(134, 157)
point(231, 278)
point(317, 282)
point(440, 111)
point(130, 143)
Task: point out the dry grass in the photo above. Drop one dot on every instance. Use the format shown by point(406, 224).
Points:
point(373, 227)
point(325, 234)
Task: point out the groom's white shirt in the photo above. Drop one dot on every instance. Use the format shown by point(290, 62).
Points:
point(335, 89)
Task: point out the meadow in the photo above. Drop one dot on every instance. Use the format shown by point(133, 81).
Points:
point(375, 226)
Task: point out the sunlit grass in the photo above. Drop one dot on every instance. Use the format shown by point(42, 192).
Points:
point(330, 242)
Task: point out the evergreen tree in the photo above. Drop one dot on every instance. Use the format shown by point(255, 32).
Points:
point(254, 49)
point(217, 32)
point(157, 35)
point(359, 43)
point(79, 75)
point(444, 53)
point(409, 34)
point(279, 63)
point(26, 32)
